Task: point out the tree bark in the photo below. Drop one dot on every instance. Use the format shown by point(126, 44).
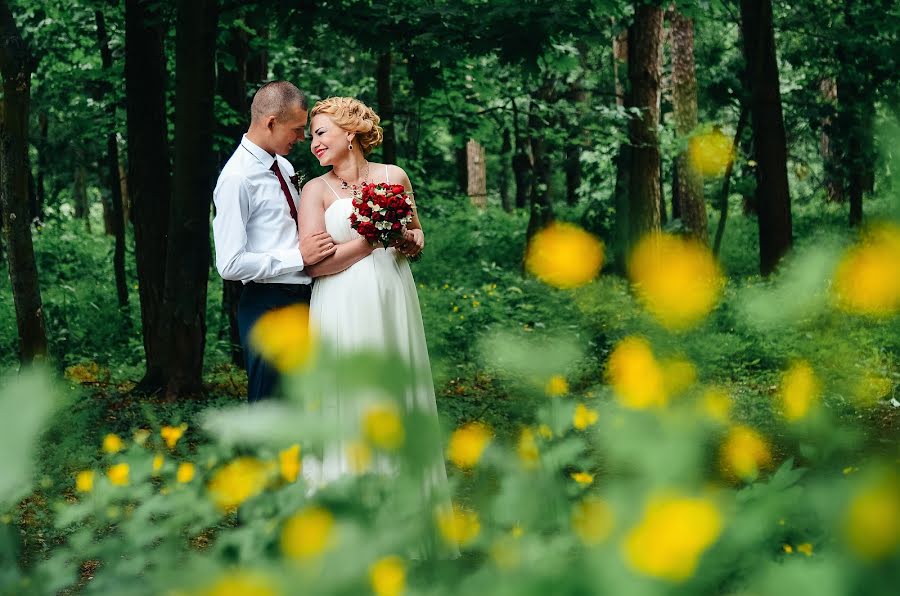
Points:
point(476, 186)
point(503, 174)
point(16, 65)
point(830, 161)
point(386, 107)
point(773, 201)
point(188, 256)
point(79, 195)
point(521, 162)
point(726, 181)
point(623, 158)
point(541, 188)
point(149, 180)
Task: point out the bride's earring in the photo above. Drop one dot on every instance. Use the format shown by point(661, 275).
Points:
point(350, 147)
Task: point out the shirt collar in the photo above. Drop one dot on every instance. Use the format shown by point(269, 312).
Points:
point(264, 157)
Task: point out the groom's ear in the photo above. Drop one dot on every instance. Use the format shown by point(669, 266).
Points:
point(270, 123)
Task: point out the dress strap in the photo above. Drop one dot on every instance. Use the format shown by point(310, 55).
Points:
point(336, 195)
point(386, 177)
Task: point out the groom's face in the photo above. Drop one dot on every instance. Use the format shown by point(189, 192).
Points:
point(288, 131)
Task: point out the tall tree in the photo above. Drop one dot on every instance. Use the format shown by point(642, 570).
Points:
point(521, 161)
point(623, 155)
point(773, 201)
point(385, 95)
point(16, 66)
point(541, 189)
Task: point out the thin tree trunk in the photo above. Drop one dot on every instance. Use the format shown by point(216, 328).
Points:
point(521, 162)
point(541, 201)
point(476, 186)
point(773, 200)
point(149, 180)
point(726, 183)
point(80, 197)
point(386, 107)
point(16, 64)
point(830, 161)
point(503, 175)
point(623, 158)
point(572, 164)
point(188, 256)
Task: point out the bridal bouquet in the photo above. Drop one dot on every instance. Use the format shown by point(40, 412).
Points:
point(381, 213)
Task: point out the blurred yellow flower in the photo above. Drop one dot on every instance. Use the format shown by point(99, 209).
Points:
point(787, 548)
point(359, 456)
point(799, 391)
point(871, 388)
point(388, 576)
point(545, 431)
point(237, 481)
point(583, 478)
point(584, 417)
point(242, 583)
point(185, 472)
point(308, 533)
point(635, 375)
point(867, 280)
point(556, 386)
point(158, 461)
point(284, 337)
point(467, 443)
point(564, 255)
point(383, 427)
point(716, 405)
point(527, 448)
point(744, 453)
point(457, 525)
point(872, 521)
point(112, 443)
point(672, 535)
point(84, 481)
point(679, 374)
point(592, 520)
point(677, 279)
point(118, 474)
point(171, 434)
point(289, 463)
point(806, 548)
point(141, 435)
point(710, 153)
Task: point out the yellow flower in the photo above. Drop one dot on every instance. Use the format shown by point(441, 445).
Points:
point(84, 481)
point(800, 390)
point(672, 535)
point(676, 279)
point(583, 478)
point(307, 533)
point(458, 526)
point(141, 435)
point(806, 548)
point(872, 521)
point(788, 548)
point(592, 520)
point(242, 583)
point(118, 474)
point(171, 434)
point(744, 453)
point(584, 417)
point(678, 375)
point(545, 431)
point(112, 443)
point(557, 386)
point(467, 444)
point(710, 153)
point(388, 576)
point(185, 472)
point(527, 448)
point(158, 461)
point(289, 462)
point(382, 427)
point(359, 456)
point(716, 405)
point(636, 376)
point(564, 255)
point(284, 337)
point(867, 280)
point(234, 483)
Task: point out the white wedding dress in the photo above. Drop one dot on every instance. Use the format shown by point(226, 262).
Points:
point(372, 304)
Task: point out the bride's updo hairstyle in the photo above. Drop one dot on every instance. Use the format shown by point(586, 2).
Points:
point(353, 116)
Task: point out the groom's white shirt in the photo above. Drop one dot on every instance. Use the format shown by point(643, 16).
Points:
point(255, 236)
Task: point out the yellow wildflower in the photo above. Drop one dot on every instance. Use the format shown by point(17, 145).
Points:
point(284, 337)
point(141, 435)
point(359, 456)
point(545, 431)
point(582, 478)
point(872, 521)
point(458, 526)
point(289, 464)
point(118, 474)
point(806, 548)
point(744, 453)
point(867, 280)
point(467, 444)
point(388, 576)
point(584, 417)
point(382, 426)
point(672, 535)
point(158, 461)
point(592, 520)
point(84, 481)
point(788, 548)
point(171, 434)
point(242, 583)
point(677, 279)
point(185, 472)
point(557, 386)
point(527, 448)
point(716, 405)
point(308, 533)
point(237, 481)
point(799, 391)
point(112, 443)
point(564, 255)
point(710, 153)
point(635, 375)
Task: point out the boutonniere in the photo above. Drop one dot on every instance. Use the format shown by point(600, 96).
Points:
point(297, 180)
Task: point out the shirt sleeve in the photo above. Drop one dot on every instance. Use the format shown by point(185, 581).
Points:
point(233, 260)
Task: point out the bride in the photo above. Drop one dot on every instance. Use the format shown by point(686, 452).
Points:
point(363, 297)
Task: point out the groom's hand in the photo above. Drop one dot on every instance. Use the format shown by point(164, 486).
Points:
point(316, 246)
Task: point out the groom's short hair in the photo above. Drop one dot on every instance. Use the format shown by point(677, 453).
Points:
point(275, 99)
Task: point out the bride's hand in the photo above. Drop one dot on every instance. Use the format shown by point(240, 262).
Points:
point(412, 243)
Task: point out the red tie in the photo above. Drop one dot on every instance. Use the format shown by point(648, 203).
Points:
point(284, 188)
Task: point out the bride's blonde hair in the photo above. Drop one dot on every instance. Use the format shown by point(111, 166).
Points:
point(354, 116)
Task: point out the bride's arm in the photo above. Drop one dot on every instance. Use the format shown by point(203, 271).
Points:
point(312, 221)
point(414, 238)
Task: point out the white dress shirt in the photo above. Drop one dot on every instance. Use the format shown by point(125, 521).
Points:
point(255, 236)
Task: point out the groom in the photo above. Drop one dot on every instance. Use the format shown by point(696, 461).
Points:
point(255, 228)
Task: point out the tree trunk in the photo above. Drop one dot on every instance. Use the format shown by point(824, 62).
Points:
point(623, 158)
point(541, 202)
point(149, 180)
point(476, 186)
point(688, 188)
point(572, 165)
point(16, 65)
point(79, 196)
point(644, 40)
point(830, 161)
point(188, 257)
point(773, 201)
point(462, 173)
point(386, 107)
point(112, 164)
point(521, 163)
point(726, 181)
point(503, 174)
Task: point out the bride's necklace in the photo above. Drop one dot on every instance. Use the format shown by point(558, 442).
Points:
point(355, 189)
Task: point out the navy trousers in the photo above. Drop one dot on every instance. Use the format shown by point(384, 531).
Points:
point(256, 300)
